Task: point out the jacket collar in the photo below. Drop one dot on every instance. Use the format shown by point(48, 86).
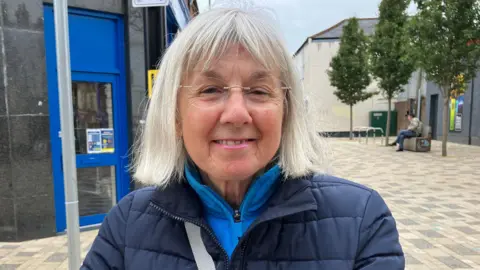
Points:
point(260, 191)
point(293, 196)
point(290, 197)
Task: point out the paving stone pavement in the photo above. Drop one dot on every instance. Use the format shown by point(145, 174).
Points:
point(435, 201)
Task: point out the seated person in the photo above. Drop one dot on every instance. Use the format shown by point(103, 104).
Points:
point(414, 130)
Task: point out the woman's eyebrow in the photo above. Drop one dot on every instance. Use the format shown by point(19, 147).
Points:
point(259, 75)
point(255, 76)
point(211, 74)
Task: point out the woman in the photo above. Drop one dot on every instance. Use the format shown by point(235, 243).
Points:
point(235, 165)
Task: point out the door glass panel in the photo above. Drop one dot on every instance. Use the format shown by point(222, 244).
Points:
point(96, 190)
point(93, 111)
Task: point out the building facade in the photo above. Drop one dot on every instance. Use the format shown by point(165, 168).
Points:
point(464, 110)
point(420, 96)
point(333, 117)
point(313, 61)
point(413, 99)
point(112, 44)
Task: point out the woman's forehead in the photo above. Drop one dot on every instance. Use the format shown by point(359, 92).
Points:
point(223, 75)
point(232, 60)
point(216, 70)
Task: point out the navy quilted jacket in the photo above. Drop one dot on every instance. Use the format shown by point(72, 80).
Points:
point(318, 222)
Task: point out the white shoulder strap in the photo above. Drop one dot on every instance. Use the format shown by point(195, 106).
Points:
point(202, 258)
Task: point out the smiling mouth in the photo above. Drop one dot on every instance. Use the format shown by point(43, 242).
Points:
point(233, 142)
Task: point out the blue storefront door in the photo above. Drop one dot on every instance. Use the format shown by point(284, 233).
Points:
point(99, 112)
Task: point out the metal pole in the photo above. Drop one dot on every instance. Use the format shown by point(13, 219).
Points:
point(146, 32)
point(419, 94)
point(67, 136)
point(471, 111)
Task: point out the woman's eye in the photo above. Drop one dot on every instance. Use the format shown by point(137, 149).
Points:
point(211, 90)
point(258, 91)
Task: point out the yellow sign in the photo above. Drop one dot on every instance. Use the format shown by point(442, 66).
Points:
point(152, 74)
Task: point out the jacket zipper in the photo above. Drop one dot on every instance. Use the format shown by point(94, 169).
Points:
point(225, 256)
point(242, 254)
point(237, 217)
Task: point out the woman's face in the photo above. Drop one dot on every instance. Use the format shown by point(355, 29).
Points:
point(231, 131)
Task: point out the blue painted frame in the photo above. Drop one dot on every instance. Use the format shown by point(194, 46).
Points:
point(172, 26)
point(118, 79)
point(180, 8)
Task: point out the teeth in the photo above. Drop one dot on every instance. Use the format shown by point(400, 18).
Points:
point(228, 142)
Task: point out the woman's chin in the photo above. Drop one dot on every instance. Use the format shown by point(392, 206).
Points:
point(241, 169)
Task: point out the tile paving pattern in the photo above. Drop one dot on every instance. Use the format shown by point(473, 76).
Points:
point(435, 200)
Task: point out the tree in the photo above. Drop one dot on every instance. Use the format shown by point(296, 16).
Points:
point(392, 64)
point(349, 71)
point(445, 34)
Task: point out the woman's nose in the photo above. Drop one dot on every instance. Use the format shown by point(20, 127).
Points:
point(235, 110)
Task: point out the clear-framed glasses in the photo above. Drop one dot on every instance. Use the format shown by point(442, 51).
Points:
point(213, 96)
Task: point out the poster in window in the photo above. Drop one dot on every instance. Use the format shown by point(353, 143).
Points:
point(456, 113)
point(107, 140)
point(94, 142)
point(459, 113)
point(453, 102)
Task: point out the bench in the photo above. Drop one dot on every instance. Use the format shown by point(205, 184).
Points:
point(423, 143)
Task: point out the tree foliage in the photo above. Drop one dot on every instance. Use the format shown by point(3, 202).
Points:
point(460, 86)
point(349, 71)
point(392, 63)
point(445, 34)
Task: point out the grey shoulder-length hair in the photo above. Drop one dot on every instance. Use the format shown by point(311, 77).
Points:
point(159, 154)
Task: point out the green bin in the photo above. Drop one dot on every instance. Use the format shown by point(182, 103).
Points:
point(379, 119)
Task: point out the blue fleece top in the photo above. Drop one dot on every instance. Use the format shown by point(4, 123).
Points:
point(220, 215)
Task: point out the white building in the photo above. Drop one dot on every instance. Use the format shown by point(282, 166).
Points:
point(313, 60)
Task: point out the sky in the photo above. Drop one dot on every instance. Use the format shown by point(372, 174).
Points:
point(299, 19)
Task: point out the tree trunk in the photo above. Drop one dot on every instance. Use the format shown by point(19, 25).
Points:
point(446, 122)
point(351, 122)
point(389, 116)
